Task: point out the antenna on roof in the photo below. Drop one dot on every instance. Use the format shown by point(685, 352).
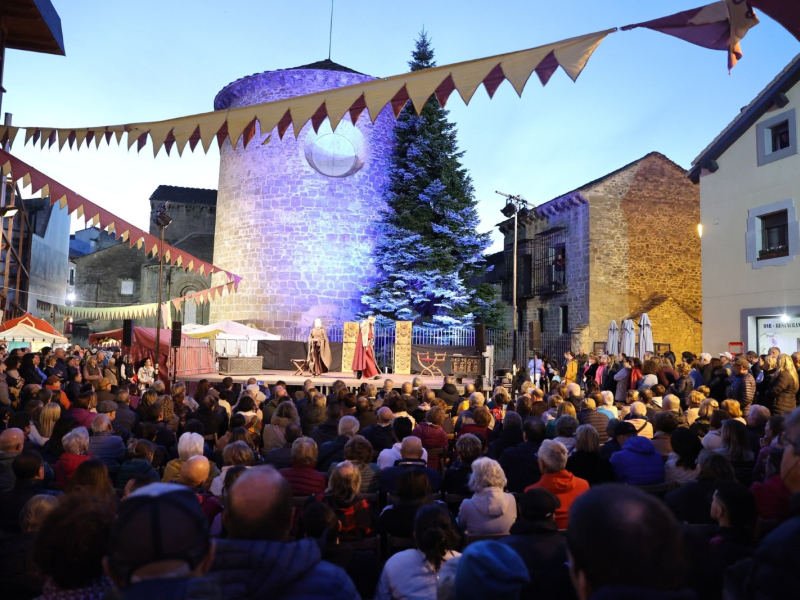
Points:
point(330, 33)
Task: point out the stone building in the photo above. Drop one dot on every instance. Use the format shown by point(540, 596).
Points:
point(114, 274)
point(616, 247)
point(295, 217)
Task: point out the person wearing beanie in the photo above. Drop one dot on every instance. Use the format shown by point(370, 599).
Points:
point(160, 546)
point(489, 570)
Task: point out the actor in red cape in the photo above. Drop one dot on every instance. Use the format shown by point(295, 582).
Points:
point(364, 358)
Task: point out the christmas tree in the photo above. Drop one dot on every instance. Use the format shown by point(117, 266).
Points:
point(429, 248)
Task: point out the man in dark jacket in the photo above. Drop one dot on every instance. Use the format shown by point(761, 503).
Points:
point(588, 415)
point(281, 458)
point(312, 413)
point(521, 463)
point(381, 435)
point(536, 539)
point(742, 384)
point(255, 562)
point(636, 530)
point(363, 414)
point(333, 451)
point(28, 469)
point(211, 419)
point(329, 429)
point(124, 417)
point(638, 463)
point(449, 392)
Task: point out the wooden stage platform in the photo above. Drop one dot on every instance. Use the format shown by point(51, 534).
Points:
point(323, 383)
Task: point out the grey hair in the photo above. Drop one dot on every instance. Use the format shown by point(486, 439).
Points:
point(158, 386)
point(670, 402)
point(638, 409)
point(348, 426)
point(190, 444)
point(178, 387)
point(418, 381)
point(608, 398)
point(305, 451)
point(486, 473)
point(76, 441)
point(35, 512)
point(101, 423)
point(554, 455)
point(320, 400)
point(477, 399)
point(758, 412)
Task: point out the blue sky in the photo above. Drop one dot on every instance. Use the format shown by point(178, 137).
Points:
point(146, 60)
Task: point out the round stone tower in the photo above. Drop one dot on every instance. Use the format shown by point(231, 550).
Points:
point(296, 217)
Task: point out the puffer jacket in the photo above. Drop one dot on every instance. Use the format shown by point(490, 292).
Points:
point(638, 463)
point(781, 394)
point(489, 511)
point(260, 569)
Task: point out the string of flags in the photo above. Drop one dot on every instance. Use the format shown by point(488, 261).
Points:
point(719, 25)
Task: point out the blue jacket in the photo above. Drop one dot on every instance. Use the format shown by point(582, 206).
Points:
point(638, 463)
point(107, 447)
point(249, 569)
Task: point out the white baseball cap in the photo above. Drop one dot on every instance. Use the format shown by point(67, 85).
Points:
point(727, 355)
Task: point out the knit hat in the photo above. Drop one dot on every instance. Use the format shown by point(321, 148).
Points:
point(161, 521)
point(488, 570)
point(624, 428)
point(106, 406)
point(538, 504)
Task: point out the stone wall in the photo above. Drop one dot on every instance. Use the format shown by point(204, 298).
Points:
point(672, 325)
point(635, 238)
point(301, 240)
point(186, 220)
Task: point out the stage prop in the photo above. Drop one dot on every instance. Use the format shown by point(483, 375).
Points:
point(349, 337)
point(402, 347)
point(239, 365)
point(452, 357)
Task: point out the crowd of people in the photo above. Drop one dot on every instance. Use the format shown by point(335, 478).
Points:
point(613, 479)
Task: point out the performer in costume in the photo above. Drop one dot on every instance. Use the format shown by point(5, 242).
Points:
point(364, 358)
point(319, 349)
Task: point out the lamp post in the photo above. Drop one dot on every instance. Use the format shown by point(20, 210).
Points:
point(514, 205)
point(162, 220)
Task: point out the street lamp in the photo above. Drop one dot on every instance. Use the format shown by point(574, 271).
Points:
point(516, 206)
point(162, 220)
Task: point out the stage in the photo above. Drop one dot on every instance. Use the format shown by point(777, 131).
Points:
point(322, 383)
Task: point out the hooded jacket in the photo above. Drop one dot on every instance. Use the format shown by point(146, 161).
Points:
point(489, 511)
point(261, 569)
point(638, 463)
point(448, 393)
point(566, 487)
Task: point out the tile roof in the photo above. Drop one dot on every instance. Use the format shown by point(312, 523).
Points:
point(184, 195)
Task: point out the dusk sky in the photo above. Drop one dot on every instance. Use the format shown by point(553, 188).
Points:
point(641, 91)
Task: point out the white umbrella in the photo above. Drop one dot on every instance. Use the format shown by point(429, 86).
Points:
point(645, 336)
point(612, 345)
point(628, 340)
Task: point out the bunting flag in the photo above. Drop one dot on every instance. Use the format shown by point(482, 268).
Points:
point(137, 311)
point(95, 215)
point(718, 26)
point(785, 12)
point(417, 87)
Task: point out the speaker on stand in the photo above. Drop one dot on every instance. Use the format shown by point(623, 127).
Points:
point(175, 343)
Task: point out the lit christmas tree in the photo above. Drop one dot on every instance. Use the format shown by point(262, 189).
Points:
point(429, 248)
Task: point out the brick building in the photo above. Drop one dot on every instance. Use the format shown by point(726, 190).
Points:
point(114, 274)
point(613, 248)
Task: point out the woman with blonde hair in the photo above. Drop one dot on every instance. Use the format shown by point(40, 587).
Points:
point(48, 416)
point(781, 394)
point(553, 402)
point(695, 400)
point(734, 409)
point(274, 434)
point(565, 408)
point(702, 423)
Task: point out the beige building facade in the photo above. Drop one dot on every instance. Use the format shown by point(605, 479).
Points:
point(749, 179)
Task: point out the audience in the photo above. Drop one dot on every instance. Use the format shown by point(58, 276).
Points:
point(732, 478)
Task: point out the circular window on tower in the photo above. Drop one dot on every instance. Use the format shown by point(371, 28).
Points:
point(337, 153)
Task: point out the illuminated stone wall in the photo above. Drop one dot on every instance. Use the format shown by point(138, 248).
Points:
point(301, 239)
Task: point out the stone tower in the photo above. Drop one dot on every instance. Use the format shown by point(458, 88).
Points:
point(296, 217)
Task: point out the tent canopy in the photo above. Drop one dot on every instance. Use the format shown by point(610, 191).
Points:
point(22, 332)
point(229, 330)
point(40, 325)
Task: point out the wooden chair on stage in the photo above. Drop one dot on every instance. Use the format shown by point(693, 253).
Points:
point(301, 364)
point(430, 365)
